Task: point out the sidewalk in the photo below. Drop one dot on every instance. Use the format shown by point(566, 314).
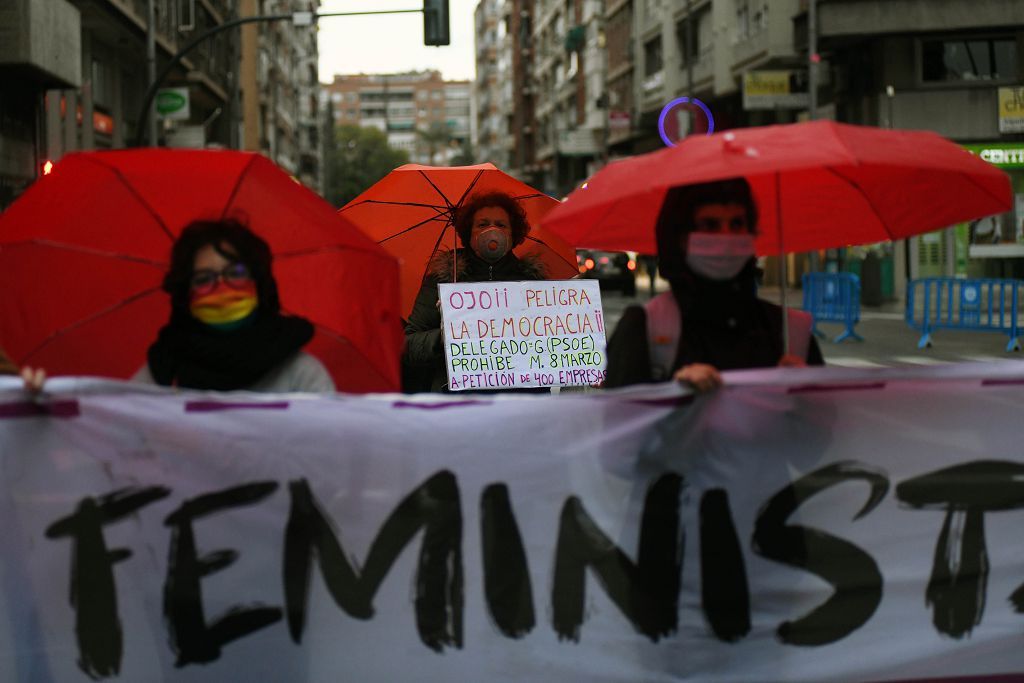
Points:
point(888, 340)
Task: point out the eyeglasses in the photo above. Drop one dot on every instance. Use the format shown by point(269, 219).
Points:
point(235, 275)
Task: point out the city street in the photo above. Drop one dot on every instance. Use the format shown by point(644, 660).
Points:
point(888, 340)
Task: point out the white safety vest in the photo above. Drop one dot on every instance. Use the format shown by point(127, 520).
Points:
point(663, 328)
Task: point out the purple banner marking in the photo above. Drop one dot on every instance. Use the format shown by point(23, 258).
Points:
point(817, 388)
point(60, 409)
point(437, 406)
point(1000, 382)
point(217, 406)
point(990, 678)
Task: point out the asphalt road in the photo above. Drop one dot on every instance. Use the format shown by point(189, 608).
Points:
point(888, 340)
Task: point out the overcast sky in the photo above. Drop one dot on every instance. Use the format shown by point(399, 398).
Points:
point(390, 43)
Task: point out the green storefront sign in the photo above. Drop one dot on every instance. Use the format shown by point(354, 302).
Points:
point(172, 103)
point(1001, 154)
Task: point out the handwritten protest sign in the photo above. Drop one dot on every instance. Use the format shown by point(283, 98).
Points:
point(518, 335)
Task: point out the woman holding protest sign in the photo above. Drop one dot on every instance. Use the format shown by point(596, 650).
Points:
point(489, 226)
point(226, 330)
point(711, 320)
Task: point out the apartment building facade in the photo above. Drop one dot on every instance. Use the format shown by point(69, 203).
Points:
point(74, 75)
point(280, 89)
point(952, 66)
point(419, 111)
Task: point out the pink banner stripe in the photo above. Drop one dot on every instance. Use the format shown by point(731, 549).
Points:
point(217, 406)
point(437, 406)
point(669, 402)
point(818, 388)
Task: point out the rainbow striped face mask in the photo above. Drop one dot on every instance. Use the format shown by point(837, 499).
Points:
point(225, 306)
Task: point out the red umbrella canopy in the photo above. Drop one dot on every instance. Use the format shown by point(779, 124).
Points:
point(410, 212)
point(818, 185)
point(84, 250)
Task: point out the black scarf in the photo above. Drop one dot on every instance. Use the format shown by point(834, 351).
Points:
point(724, 324)
point(190, 354)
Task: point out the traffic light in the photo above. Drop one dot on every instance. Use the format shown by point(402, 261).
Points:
point(435, 23)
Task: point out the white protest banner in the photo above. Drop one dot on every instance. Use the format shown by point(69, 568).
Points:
point(796, 525)
point(517, 335)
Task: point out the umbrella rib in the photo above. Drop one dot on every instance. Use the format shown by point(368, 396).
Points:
point(342, 339)
point(132, 191)
point(86, 250)
point(447, 202)
point(543, 243)
point(85, 321)
point(980, 186)
point(386, 203)
point(413, 227)
point(852, 183)
point(476, 179)
point(330, 249)
point(434, 251)
point(237, 187)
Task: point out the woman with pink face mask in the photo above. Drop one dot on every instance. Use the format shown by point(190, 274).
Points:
point(226, 330)
point(711, 320)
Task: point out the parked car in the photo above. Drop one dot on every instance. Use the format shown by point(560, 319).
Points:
point(612, 269)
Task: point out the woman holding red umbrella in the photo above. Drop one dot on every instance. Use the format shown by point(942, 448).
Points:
point(489, 226)
point(226, 330)
point(711, 320)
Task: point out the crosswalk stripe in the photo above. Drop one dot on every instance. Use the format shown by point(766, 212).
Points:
point(852, 362)
point(919, 360)
point(986, 359)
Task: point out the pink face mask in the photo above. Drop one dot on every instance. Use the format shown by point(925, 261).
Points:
point(718, 256)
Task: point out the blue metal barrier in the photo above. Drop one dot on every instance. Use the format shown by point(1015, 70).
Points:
point(834, 298)
point(984, 305)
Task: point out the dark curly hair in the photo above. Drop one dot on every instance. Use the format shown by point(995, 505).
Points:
point(680, 207)
point(248, 249)
point(464, 216)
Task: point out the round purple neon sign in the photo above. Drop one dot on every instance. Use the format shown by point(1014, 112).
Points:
point(682, 100)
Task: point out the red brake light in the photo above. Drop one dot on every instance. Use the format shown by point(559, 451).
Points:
point(631, 264)
point(603, 260)
point(589, 263)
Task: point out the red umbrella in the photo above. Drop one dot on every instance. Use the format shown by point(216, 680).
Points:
point(818, 185)
point(410, 211)
point(84, 250)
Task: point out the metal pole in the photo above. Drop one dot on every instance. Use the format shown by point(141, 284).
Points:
point(812, 58)
point(150, 67)
point(812, 85)
point(689, 48)
point(783, 265)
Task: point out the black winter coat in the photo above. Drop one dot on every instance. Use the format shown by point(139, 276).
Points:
point(423, 366)
point(724, 324)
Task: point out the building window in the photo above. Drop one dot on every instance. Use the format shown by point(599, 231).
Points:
point(742, 19)
point(652, 56)
point(336, 97)
point(352, 97)
point(969, 60)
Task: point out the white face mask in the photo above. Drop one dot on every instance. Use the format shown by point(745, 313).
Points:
point(718, 256)
point(491, 244)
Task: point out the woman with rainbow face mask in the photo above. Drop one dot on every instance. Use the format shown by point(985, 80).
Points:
point(226, 330)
